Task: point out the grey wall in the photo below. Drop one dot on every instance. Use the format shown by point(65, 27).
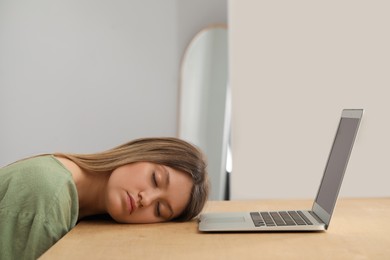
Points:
point(83, 76)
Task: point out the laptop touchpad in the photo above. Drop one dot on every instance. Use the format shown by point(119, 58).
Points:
point(225, 220)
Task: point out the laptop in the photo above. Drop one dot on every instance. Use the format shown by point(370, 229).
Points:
point(316, 219)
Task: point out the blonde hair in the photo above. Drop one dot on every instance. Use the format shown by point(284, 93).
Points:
point(171, 152)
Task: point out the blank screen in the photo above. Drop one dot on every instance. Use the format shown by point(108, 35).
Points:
point(337, 163)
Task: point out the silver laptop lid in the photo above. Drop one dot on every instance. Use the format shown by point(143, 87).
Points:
point(325, 201)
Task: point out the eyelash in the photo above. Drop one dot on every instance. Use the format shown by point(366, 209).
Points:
point(154, 179)
point(158, 209)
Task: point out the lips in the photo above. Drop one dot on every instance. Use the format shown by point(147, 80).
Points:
point(130, 202)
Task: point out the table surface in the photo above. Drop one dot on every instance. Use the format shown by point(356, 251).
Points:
point(360, 229)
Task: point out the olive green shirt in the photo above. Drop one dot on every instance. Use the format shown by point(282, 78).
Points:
point(38, 205)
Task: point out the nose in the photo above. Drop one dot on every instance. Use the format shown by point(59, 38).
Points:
point(148, 197)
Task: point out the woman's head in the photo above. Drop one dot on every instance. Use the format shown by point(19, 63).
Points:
point(173, 153)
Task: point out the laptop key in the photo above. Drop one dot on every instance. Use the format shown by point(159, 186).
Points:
point(286, 217)
point(297, 218)
point(257, 219)
point(267, 219)
point(278, 219)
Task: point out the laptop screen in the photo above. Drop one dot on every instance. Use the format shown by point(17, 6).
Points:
point(337, 163)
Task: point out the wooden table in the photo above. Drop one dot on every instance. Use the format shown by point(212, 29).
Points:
point(360, 229)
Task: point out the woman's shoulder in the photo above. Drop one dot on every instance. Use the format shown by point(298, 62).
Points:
point(38, 181)
point(40, 167)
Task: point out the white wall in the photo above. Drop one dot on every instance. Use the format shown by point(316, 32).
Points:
point(294, 66)
point(83, 76)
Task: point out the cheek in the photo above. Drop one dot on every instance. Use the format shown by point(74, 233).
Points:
point(114, 205)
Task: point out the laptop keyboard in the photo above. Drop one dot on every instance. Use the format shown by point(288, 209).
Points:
point(280, 218)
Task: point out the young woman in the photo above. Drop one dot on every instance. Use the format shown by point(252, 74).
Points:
point(144, 181)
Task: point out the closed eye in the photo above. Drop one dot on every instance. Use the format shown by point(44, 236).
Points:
point(154, 179)
point(158, 213)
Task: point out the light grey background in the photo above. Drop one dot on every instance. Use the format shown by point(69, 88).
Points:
point(84, 76)
point(294, 65)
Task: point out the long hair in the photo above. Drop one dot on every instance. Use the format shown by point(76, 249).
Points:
point(171, 152)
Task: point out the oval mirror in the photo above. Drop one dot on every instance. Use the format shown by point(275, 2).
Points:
point(204, 114)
